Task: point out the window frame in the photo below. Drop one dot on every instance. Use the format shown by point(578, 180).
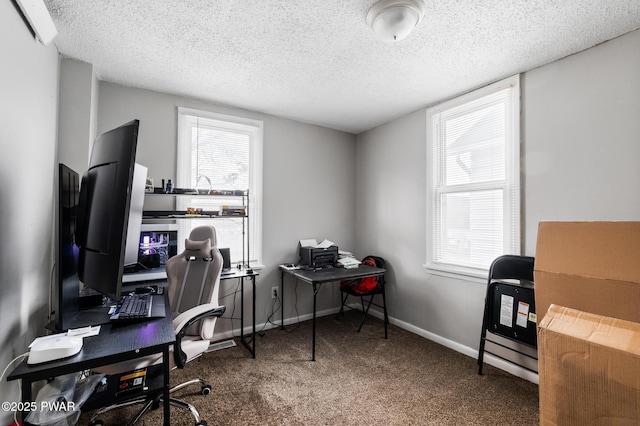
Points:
point(510, 185)
point(255, 129)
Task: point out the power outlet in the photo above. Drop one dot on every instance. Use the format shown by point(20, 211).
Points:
point(274, 292)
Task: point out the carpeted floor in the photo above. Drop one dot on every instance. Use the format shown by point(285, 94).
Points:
point(357, 379)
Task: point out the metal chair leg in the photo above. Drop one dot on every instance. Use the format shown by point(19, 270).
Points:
point(366, 312)
point(384, 309)
point(483, 334)
point(343, 300)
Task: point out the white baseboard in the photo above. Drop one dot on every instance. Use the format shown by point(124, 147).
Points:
point(473, 353)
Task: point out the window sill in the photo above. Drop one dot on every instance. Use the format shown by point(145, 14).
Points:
point(258, 267)
point(470, 276)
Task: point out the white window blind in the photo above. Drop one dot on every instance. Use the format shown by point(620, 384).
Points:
point(474, 186)
point(222, 152)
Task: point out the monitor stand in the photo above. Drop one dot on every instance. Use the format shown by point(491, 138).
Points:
point(91, 316)
point(79, 308)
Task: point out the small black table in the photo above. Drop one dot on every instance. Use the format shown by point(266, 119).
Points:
point(317, 277)
point(241, 274)
point(115, 343)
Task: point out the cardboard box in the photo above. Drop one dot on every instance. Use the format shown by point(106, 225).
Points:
point(589, 369)
point(589, 266)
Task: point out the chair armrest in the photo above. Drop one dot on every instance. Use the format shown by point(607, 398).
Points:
point(188, 317)
point(183, 321)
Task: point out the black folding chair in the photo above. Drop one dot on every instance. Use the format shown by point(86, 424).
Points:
point(507, 267)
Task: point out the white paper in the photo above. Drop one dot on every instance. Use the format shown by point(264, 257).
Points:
point(346, 261)
point(325, 244)
point(290, 266)
point(312, 242)
point(308, 243)
point(506, 310)
point(523, 314)
point(84, 331)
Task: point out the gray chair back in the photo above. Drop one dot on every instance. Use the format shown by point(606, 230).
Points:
point(194, 277)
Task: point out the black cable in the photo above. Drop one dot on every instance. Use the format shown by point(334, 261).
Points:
point(295, 306)
point(231, 318)
point(273, 312)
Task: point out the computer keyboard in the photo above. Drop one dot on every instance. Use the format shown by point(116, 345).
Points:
point(133, 306)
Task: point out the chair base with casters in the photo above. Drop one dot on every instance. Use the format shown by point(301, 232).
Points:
point(154, 403)
point(520, 269)
point(366, 287)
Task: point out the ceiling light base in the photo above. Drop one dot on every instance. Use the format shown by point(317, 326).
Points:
point(393, 20)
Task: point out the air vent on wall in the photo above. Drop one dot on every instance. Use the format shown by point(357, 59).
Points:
point(38, 16)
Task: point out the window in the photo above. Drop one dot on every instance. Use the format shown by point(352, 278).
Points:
point(473, 180)
point(222, 152)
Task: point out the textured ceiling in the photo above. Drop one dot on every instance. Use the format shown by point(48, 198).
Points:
point(316, 61)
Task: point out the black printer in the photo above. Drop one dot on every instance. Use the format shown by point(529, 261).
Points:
point(318, 257)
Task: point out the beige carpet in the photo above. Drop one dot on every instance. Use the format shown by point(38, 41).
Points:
point(357, 379)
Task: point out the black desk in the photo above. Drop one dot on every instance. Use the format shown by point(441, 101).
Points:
point(318, 277)
point(241, 274)
point(115, 343)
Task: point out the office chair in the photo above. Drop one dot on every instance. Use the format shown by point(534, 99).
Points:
point(363, 287)
point(193, 278)
point(507, 267)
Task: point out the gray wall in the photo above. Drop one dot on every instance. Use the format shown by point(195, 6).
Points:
point(580, 147)
point(308, 183)
point(28, 107)
point(78, 109)
point(581, 137)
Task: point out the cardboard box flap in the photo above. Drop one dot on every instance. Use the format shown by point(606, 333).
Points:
point(606, 250)
point(609, 332)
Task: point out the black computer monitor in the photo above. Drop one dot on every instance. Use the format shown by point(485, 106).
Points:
point(65, 291)
point(109, 210)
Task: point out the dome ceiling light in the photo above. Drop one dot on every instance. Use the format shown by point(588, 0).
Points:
point(393, 20)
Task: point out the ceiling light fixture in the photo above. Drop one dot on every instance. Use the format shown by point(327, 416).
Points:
point(393, 20)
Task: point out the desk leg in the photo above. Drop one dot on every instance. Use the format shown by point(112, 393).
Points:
point(253, 321)
point(26, 397)
point(313, 338)
point(251, 348)
point(241, 310)
point(165, 394)
point(281, 300)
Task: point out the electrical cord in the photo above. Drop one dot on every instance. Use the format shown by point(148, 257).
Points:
point(275, 307)
point(51, 285)
point(295, 306)
point(273, 312)
point(233, 310)
point(21, 357)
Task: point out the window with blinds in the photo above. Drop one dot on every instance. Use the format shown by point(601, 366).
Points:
point(473, 180)
point(223, 153)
